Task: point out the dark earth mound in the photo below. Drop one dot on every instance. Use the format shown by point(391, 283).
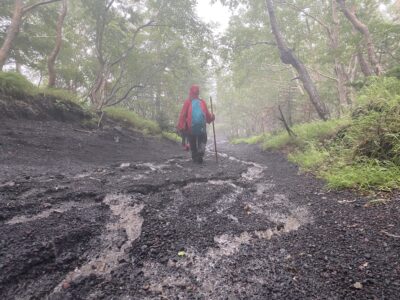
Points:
point(111, 214)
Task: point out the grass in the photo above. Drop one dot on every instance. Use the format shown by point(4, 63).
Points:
point(310, 158)
point(305, 134)
point(134, 120)
point(16, 85)
point(250, 140)
point(172, 136)
point(369, 175)
point(137, 122)
point(359, 152)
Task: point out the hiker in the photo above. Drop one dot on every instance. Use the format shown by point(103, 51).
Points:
point(185, 141)
point(192, 123)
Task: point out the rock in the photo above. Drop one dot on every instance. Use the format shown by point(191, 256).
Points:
point(66, 285)
point(358, 285)
point(280, 227)
point(164, 260)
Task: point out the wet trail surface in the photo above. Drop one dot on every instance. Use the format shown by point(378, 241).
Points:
point(247, 228)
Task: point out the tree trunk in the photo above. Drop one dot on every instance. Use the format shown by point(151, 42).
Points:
point(98, 91)
point(365, 68)
point(12, 32)
point(339, 68)
point(17, 57)
point(363, 29)
point(53, 55)
point(287, 57)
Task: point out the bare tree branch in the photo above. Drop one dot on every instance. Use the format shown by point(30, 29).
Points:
point(255, 44)
point(130, 48)
point(322, 74)
point(304, 12)
point(33, 6)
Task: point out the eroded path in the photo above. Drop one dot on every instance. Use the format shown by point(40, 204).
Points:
point(249, 227)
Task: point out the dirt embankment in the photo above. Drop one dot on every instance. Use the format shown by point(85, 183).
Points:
point(40, 108)
point(111, 214)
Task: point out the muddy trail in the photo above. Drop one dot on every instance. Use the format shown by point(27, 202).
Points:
point(110, 214)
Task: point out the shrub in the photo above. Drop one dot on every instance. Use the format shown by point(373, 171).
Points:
point(361, 152)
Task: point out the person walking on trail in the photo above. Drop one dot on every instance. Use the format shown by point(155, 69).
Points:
point(192, 123)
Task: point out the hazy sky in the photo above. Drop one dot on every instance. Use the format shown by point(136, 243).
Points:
point(214, 13)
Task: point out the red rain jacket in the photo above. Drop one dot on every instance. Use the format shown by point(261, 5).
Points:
point(185, 117)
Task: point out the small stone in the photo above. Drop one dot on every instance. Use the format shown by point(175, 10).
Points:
point(358, 285)
point(279, 227)
point(65, 285)
point(164, 260)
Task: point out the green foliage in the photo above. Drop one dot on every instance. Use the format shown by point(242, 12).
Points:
point(375, 130)
point(361, 152)
point(60, 94)
point(172, 136)
point(394, 72)
point(369, 175)
point(14, 84)
point(305, 134)
point(310, 158)
point(250, 140)
point(133, 119)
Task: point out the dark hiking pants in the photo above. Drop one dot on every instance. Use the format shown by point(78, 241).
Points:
point(198, 146)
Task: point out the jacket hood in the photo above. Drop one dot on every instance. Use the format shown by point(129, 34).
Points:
point(194, 92)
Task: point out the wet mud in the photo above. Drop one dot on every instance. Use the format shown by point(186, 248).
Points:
point(139, 220)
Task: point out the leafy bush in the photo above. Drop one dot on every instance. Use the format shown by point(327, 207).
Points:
point(394, 72)
point(133, 119)
point(16, 85)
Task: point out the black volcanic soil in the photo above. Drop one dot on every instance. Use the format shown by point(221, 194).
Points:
point(111, 214)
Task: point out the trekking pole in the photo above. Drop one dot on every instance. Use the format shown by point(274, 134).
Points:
point(215, 138)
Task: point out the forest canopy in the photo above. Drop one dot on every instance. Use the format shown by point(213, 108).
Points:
point(291, 61)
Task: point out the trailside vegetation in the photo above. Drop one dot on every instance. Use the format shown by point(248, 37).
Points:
point(361, 151)
point(17, 87)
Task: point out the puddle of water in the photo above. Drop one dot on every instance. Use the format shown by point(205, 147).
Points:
point(262, 188)
point(228, 245)
point(254, 172)
point(128, 219)
point(125, 165)
point(233, 218)
point(226, 201)
point(209, 269)
point(64, 207)
point(139, 177)
point(154, 167)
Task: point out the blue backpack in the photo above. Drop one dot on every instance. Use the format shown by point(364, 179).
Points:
point(198, 118)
